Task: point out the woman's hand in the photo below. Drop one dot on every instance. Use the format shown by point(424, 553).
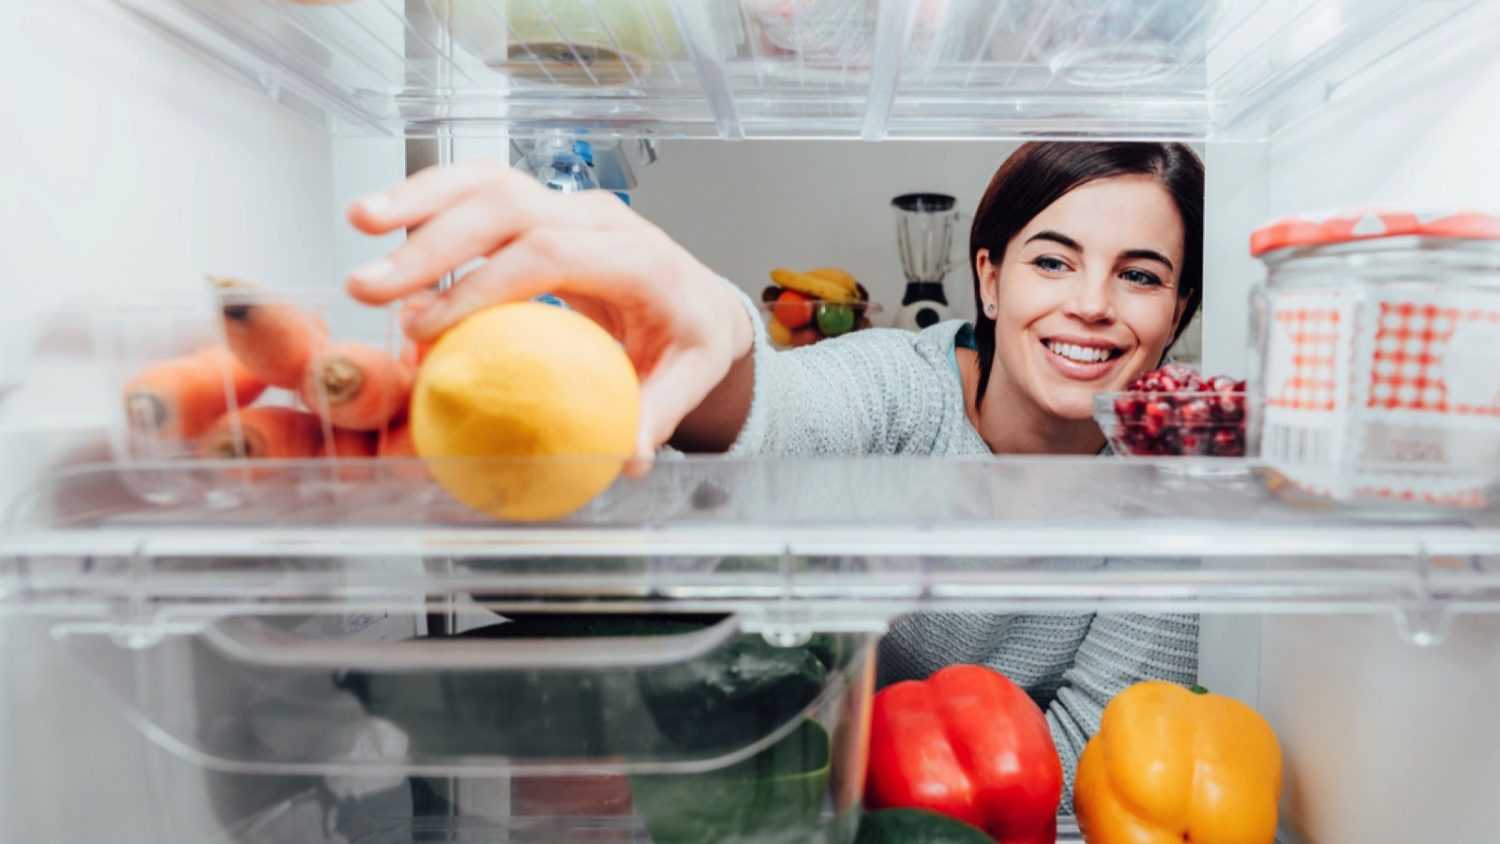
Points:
point(679, 323)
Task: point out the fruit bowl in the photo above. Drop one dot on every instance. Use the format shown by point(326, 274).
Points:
point(1142, 424)
point(824, 320)
point(1174, 412)
point(804, 308)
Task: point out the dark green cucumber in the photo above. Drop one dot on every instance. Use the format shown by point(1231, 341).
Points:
point(714, 704)
point(916, 826)
point(776, 796)
point(738, 694)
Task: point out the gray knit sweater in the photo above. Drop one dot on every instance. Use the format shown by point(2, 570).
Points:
point(884, 392)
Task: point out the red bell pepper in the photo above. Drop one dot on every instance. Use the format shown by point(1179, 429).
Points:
point(970, 744)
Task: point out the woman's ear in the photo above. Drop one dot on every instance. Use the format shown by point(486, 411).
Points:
point(989, 282)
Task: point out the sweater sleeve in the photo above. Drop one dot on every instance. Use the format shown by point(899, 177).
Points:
point(868, 392)
point(1119, 650)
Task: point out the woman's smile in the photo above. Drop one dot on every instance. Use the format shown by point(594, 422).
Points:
point(1081, 358)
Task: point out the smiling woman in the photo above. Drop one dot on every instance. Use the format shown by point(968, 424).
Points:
point(1087, 265)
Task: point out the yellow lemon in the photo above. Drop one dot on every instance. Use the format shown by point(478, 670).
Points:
point(544, 388)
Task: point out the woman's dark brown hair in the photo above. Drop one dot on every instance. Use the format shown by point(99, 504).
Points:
point(1039, 173)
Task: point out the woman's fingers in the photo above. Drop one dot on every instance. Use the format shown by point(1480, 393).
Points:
point(424, 194)
point(479, 223)
point(542, 261)
point(669, 392)
point(474, 228)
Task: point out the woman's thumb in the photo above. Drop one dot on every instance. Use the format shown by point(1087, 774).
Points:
point(668, 394)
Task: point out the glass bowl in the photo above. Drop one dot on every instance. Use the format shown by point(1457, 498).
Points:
point(1187, 424)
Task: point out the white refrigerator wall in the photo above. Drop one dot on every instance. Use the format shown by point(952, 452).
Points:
point(131, 166)
point(136, 169)
point(1385, 741)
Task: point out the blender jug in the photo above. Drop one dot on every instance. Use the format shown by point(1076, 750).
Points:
point(925, 225)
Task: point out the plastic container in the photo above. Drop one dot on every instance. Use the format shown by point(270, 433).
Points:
point(537, 728)
point(838, 33)
point(182, 396)
point(1118, 44)
point(1194, 424)
point(565, 42)
point(1375, 341)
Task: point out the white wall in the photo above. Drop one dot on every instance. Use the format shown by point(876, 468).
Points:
point(745, 208)
point(129, 166)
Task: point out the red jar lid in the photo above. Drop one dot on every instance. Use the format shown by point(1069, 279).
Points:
point(1352, 226)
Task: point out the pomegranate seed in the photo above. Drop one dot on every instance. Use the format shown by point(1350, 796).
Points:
point(1129, 407)
point(1197, 411)
point(1228, 443)
point(1171, 441)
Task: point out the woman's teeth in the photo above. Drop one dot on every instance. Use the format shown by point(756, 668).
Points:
point(1080, 354)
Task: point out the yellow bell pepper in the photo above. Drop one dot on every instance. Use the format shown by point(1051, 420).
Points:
point(1170, 765)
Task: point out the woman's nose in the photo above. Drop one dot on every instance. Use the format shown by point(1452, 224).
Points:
point(1090, 300)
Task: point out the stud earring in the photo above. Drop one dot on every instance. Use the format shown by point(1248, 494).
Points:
point(989, 310)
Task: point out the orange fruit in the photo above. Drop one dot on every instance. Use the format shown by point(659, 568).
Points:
point(526, 411)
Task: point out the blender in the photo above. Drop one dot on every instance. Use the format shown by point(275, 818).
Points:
point(925, 223)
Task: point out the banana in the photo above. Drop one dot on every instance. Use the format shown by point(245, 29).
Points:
point(811, 285)
point(839, 277)
point(781, 336)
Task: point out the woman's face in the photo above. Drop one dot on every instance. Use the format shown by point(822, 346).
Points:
point(1085, 297)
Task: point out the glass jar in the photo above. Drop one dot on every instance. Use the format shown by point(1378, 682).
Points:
point(1376, 365)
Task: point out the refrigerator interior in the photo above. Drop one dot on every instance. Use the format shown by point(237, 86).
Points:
point(147, 161)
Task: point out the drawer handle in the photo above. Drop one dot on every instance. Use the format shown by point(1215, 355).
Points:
point(252, 642)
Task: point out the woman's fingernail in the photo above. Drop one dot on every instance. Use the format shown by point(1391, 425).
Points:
point(424, 322)
point(375, 272)
point(376, 205)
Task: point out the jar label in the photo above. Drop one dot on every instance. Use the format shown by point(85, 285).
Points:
point(1368, 384)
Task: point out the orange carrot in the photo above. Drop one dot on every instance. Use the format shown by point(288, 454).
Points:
point(356, 386)
point(272, 339)
point(346, 443)
point(398, 443)
point(353, 450)
point(267, 432)
point(401, 452)
point(182, 397)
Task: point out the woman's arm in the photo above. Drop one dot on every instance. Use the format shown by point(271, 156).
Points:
point(709, 379)
point(1120, 649)
point(870, 392)
point(682, 326)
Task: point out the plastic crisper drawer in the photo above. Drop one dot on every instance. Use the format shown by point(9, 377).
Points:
point(545, 726)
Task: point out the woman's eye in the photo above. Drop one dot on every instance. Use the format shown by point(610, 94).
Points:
point(1142, 278)
point(1048, 264)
